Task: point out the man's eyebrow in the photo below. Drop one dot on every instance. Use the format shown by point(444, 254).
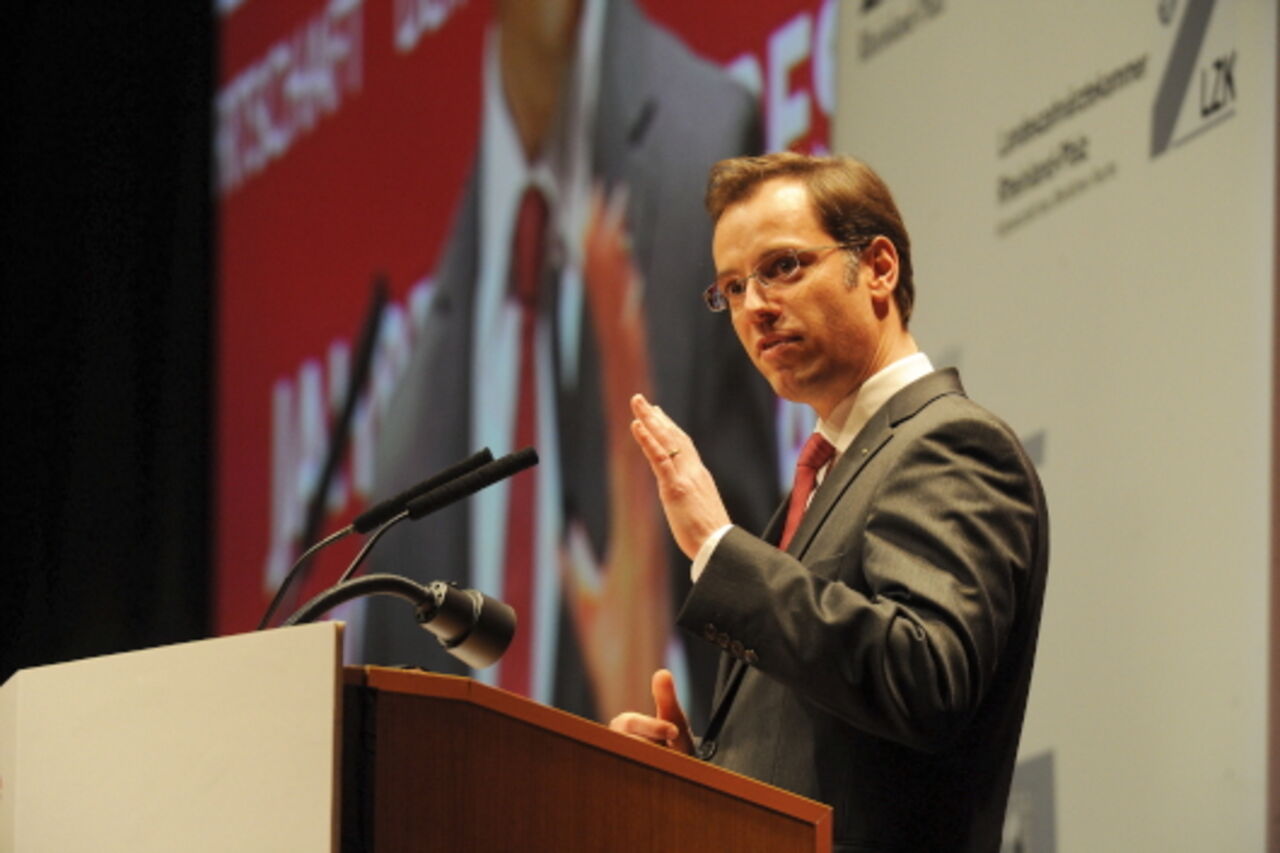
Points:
point(760, 258)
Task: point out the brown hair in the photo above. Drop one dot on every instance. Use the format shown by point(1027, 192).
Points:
point(850, 200)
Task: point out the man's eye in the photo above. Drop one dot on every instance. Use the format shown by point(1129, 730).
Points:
point(734, 287)
point(784, 267)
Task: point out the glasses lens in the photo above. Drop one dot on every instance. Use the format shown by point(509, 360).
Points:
point(782, 267)
point(714, 298)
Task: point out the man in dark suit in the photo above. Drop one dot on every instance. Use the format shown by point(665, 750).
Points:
point(616, 122)
point(880, 634)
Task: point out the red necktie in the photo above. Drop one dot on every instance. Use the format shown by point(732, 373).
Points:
point(528, 251)
point(817, 451)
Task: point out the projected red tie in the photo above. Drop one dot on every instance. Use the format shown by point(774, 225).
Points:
point(817, 451)
point(526, 272)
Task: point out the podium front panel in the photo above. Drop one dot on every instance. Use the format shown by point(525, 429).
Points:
point(444, 763)
point(217, 745)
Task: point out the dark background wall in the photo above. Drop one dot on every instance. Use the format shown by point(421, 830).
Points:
point(107, 313)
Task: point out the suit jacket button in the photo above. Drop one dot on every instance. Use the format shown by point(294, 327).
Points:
point(751, 657)
point(705, 750)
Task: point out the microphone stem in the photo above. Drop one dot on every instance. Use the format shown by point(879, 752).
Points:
point(293, 571)
point(369, 585)
point(368, 545)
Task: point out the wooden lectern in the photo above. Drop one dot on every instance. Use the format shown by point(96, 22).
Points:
point(263, 742)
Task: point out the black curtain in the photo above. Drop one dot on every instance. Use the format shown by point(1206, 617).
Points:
point(107, 327)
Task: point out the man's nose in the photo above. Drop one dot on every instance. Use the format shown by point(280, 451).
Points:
point(758, 298)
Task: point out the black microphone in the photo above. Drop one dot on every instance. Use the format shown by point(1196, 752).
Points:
point(376, 515)
point(472, 626)
point(471, 483)
point(437, 498)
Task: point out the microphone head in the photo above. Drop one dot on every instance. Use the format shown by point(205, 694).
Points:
point(472, 482)
point(473, 627)
point(386, 510)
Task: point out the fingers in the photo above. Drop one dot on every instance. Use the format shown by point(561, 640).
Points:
point(645, 728)
point(688, 493)
point(610, 275)
point(665, 702)
point(652, 449)
point(667, 705)
point(669, 728)
point(658, 436)
point(611, 206)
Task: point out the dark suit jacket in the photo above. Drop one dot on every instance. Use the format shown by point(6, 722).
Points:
point(882, 663)
point(663, 117)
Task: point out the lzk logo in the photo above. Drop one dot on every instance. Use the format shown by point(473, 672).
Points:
point(1217, 85)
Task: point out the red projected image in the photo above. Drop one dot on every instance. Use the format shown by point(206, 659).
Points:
point(526, 179)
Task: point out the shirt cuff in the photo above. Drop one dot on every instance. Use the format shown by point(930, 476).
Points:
point(703, 556)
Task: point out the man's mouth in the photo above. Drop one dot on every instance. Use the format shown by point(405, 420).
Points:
point(773, 341)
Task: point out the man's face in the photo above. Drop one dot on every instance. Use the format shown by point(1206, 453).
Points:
point(818, 339)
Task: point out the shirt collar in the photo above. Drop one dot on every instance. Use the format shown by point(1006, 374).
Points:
point(851, 414)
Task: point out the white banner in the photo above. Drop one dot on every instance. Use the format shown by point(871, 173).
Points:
point(1089, 189)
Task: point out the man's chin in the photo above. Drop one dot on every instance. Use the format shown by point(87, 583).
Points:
point(787, 388)
point(794, 388)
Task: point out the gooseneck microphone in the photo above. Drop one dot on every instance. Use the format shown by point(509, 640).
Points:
point(451, 492)
point(470, 625)
point(377, 515)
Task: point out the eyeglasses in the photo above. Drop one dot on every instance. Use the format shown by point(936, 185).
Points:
point(779, 267)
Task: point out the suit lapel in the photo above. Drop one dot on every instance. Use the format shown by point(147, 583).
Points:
point(630, 145)
point(838, 479)
point(875, 435)
point(626, 104)
point(869, 441)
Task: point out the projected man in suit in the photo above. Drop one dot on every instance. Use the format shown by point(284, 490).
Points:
point(597, 129)
point(879, 635)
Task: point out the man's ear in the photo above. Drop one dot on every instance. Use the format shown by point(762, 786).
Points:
point(881, 258)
